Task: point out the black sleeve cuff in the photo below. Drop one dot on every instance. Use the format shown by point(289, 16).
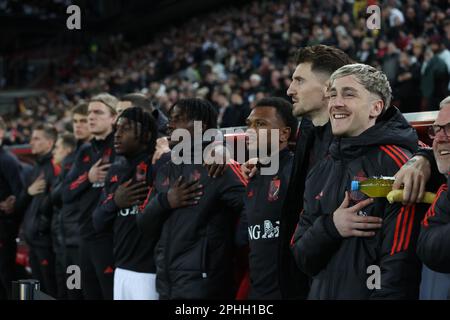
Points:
point(162, 197)
point(436, 177)
point(427, 153)
point(330, 227)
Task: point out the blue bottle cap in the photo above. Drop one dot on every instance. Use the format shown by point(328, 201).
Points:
point(355, 186)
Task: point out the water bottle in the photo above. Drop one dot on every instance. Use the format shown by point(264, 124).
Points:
point(374, 187)
point(379, 187)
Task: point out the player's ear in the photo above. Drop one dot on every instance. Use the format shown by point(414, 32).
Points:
point(285, 133)
point(376, 108)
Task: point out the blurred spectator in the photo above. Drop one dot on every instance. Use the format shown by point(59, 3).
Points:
point(236, 113)
point(366, 54)
point(443, 53)
point(446, 40)
point(434, 81)
point(413, 22)
point(390, 62)
point(407, 84)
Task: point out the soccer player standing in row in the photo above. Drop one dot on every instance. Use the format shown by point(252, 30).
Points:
point(70, 212)
point(315, 65)
point(340, 235)
point(11, 186)
point(64, 147)
point(38, 213)
point(266, 193)
point(308, 88)
point(194, 214)
point(83, 185)
point(126, 188)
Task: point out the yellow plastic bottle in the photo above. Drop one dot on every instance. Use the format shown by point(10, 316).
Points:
point(374, 187)
point(378, 187)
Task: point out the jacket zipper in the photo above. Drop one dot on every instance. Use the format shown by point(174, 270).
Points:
point(203, 262)
point(331, 289)
point(340, 175)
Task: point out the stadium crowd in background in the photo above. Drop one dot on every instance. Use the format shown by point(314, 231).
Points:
point(244, 54)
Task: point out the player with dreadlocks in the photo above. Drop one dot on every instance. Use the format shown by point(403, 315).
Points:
point(140, 100)
point(194, 216)
point(126, 187)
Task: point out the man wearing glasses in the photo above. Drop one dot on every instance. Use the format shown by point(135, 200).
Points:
point(434, 241)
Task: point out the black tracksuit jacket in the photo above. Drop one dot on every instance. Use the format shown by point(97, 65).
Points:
point(69, 213)
point(60, 209)
point(339, 266)
point(133, 249)
point(78, 189)
point(39, 209)
point(433, 247)
point(312, 146)
point(11, 183)
point(194, 254)
point(260, 224)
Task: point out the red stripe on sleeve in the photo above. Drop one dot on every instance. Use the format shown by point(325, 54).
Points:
point(238, 174)
point(425, 219)
point(403, 230)
point(108, 198)
point(244, 287)
point(79, 181)
point(431, 212)
point(56, 168)
point(411, 221)
point(397, 227)
point(292, 238)
point(400, 154)
point(389, 153)
point(142, 207)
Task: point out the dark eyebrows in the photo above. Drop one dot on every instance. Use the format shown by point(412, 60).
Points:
point(250, 120)
point(260, 119)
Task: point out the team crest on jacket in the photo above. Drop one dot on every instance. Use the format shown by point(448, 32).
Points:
point(319, 196)
point(106, 155)
point(165, 182)
point(274, 189)
point(196, 175)
point(141, 171)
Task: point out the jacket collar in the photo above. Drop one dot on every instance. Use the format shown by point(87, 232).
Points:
point(44, 158)
point(142, 156)
point(282, 154)
point(101, 144)
point(391, 129)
